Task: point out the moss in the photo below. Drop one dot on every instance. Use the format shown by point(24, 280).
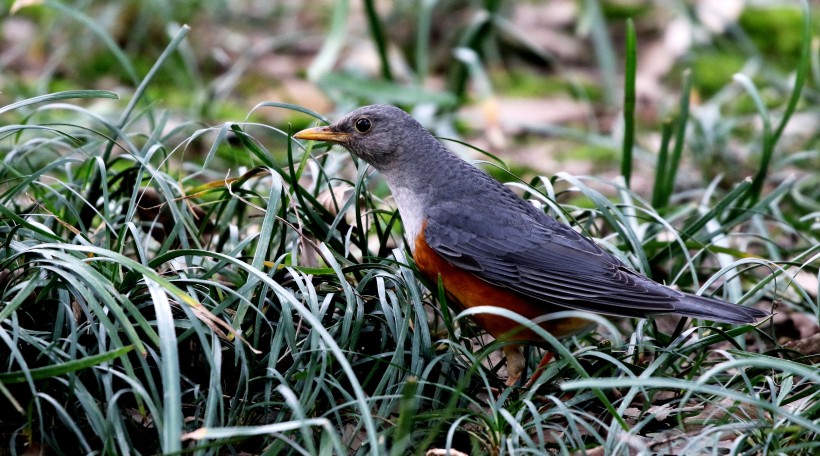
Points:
point(463, 127)
point(713, 70)
point(579, 201)
point(784, 23)
point(527, 84)
point(599, 156)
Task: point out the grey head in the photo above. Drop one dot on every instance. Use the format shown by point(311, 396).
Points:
point(382, 135)
point(419, 170)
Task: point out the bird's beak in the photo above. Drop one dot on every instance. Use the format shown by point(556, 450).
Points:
point(322, 134)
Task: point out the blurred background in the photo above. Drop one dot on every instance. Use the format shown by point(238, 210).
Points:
point(502, 75)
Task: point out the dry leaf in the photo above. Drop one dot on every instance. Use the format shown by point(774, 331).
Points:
point(715, 412)
point(809, 346)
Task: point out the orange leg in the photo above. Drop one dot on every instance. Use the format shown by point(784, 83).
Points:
point(540, 369)
point(516, 363)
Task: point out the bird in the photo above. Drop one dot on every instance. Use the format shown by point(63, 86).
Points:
point(490, 247)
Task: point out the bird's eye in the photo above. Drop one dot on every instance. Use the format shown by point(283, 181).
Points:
point(363, 124)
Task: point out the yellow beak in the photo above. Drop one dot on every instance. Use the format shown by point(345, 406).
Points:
point(322, 134)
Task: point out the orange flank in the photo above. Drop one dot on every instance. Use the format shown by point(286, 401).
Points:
point(467, 290)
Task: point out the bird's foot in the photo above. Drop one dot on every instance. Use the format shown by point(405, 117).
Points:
point(515, 364)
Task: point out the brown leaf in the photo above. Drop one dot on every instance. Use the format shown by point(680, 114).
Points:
point(809, 346)
point(727, 409)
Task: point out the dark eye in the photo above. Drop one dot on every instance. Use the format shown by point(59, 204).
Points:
point(363, 125)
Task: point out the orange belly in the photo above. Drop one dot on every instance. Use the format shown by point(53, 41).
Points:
point(467, 290)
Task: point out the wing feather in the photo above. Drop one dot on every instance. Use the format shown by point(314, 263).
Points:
point(548, 261)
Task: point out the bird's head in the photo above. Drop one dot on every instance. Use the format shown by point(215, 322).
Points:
point(378, 134)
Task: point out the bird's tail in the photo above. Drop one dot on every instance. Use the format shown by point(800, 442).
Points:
point(717, 310)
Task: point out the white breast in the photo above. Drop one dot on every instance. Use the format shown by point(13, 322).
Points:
point(411, 208)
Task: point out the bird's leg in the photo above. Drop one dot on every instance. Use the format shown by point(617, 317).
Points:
point(515, 363)
point(540, 369)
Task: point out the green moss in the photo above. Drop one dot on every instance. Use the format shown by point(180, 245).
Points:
point(777, 32)
point(528, 84)
point(579, 201)
point(462, 126)
point(59, 85)
point(713, 70)
point(599, 156)
point(521, 84)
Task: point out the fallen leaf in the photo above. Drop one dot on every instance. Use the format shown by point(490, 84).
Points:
point(809, 346)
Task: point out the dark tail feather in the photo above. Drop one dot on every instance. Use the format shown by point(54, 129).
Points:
point(717, 310)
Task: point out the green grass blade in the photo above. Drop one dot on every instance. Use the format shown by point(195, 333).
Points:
point(770, 138)
point(143, 85)
point(693, 227)
point(422, 50)
point(57, 96)
point(334, 42)
point(67, 367)
point(169, 366)
point(659, 196)
point(376, 32)
point(629, 102)
point(670, 173)
point(472, 37)
point(289, 106)
point(408, 408)
point(595, 24)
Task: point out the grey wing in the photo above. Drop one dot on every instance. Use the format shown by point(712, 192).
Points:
point(539, 257)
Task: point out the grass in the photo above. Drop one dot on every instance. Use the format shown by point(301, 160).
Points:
point(173, 287)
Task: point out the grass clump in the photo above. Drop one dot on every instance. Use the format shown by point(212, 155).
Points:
point(170, 286)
